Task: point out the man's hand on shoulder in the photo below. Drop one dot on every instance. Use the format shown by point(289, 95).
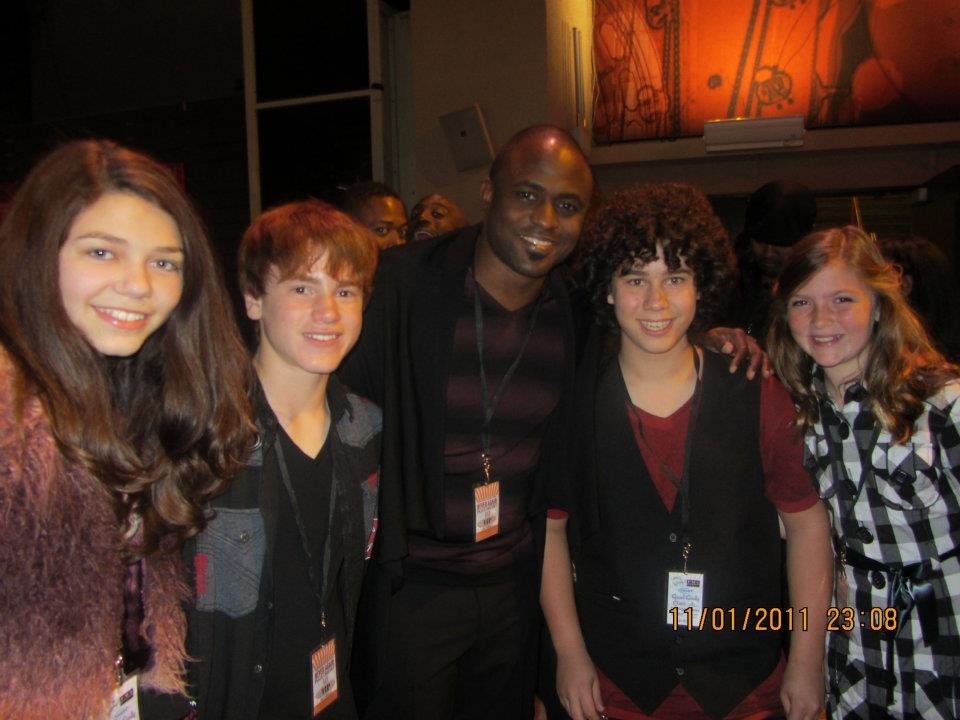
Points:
point(736, 342)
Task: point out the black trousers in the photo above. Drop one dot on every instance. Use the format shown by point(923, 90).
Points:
point(459, 653)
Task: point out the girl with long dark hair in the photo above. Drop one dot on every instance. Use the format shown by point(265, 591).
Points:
point(123, 408)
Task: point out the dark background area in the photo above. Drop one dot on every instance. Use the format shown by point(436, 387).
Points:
point(162, 77)
point(166, 77)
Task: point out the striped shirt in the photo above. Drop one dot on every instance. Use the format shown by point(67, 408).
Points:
point(516, 431)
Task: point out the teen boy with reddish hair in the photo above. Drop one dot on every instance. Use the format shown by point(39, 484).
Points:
point(279, 567)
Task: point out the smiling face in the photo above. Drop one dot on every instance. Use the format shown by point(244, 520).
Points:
point(831, 318)
point(308, 322)
point(433, 216)
point(536, 206)
point(121, 272)
point(654, 307)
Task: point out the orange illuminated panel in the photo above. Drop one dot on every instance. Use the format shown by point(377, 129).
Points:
point(665, 67)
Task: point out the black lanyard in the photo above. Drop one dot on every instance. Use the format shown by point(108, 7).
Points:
point(319, 587)
point(490, 404)
point(683, 485)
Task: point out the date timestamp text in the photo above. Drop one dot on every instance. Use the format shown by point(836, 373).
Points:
point(775, 619)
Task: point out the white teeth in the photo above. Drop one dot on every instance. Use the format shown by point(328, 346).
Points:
point(323, 337)
point(823, 340)
point(538, 243)
point(122, 315)
point(654, 324)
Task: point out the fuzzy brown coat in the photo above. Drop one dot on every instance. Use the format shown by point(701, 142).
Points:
point(61, 576)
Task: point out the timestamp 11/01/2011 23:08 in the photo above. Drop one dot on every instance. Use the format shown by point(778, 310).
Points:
point(775, 619)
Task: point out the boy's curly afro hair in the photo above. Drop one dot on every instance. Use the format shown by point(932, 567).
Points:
point(630, 225)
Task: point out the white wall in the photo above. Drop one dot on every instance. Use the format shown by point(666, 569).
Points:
point(399, 91)
point(562, 17)
point(492, 52)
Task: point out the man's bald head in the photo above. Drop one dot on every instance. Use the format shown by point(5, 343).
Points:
point(547, 138)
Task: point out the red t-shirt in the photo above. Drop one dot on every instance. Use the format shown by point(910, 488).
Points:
point(787, 485)
point(763, 702)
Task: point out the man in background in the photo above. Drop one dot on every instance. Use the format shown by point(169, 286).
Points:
point(379, 208)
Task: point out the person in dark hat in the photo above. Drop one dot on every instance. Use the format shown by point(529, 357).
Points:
point(778, 214)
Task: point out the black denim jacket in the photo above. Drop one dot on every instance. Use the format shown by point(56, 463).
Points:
point(232, 560)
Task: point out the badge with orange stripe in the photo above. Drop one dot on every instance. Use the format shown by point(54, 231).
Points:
point(323, 664)
point(486, 510)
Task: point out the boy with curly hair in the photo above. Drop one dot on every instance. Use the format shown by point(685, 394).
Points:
point(680, 471)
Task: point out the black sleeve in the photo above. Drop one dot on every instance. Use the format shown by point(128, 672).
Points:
point(162, 706)
point(363, 368)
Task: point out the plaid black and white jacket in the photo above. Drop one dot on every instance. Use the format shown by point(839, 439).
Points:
point(895, 512)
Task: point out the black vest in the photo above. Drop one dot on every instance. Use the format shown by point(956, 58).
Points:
point(623, 561)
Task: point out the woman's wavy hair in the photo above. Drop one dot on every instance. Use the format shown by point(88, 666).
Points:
point(163, 429)
point(902, 367)
point(630, 225)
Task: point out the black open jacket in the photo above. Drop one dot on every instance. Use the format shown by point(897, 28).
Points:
point(402, 362)
point(229, 623)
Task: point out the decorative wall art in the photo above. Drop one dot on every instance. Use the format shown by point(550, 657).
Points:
point(665, 67)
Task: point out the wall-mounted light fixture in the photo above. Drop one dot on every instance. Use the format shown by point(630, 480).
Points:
point(468, 137)
point(753, 133)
